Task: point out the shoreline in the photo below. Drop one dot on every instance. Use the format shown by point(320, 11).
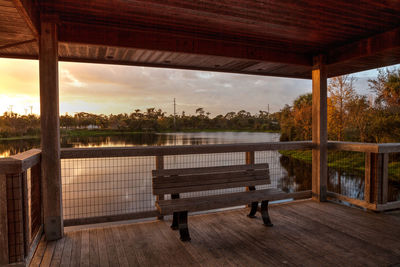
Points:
point(96, 132)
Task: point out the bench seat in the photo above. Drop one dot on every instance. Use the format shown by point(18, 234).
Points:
point(166, 207)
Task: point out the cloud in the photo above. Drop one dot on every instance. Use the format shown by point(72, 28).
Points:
point(121, 89)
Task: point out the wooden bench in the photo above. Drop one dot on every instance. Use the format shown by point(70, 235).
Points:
point(177, 181)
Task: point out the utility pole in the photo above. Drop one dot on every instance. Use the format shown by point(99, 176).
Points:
point(31, 109)
point(26, 111)
point(268, 109)
point(10, 107)
point(174, 114)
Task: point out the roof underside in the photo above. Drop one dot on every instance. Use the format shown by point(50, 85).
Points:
point(275, 37)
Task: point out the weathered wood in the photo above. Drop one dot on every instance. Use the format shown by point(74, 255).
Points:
point(101, 152)
point(232, 168)
point(226, 200)
point(159, 166)
point(4, 259)
point(50, 131)
point(28, 158)
point(356, 202)
point(376, 178)
point(111, 218)
point(218, 184)
point(306, 233)
point(353, 146)
point(319, 129)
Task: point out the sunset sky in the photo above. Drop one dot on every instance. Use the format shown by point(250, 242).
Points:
point(121, 89)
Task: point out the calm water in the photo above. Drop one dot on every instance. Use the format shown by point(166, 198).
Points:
point(109, 186)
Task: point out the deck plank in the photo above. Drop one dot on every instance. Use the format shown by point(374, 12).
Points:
point(76, 248)
point(305, 233)
point(57, 254)
point(85, 249)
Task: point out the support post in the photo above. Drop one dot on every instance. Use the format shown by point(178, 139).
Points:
point(376, 178)
point(160, 166)
point(50, 131)
point(319, 129)
point(4, 256)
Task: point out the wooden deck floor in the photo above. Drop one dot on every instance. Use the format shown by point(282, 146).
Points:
point(304, 233)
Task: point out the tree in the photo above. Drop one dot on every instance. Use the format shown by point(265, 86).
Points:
point(386, 86)
point(341, 93)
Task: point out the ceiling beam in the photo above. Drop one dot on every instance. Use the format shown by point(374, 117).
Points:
point(380, 43)
point(29, 13)
point(167, 41)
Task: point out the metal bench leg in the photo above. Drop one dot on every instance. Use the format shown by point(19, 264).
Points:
point(264, 213)
point(183, 226)
point(174, 225)
point(253, 211)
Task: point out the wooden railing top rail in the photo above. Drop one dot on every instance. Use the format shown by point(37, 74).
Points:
point(365, 147)
point(353, 146)
point(20, 162)
point(102, 152)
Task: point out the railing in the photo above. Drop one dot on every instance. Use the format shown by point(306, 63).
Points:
point(21, 223)
point(378, 167)
point(114, 183)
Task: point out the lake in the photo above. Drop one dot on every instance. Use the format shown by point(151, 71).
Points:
point(109, 186)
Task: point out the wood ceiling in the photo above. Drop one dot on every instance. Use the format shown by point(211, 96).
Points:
point(265, 37)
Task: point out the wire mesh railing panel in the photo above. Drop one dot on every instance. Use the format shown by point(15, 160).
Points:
point(95, 187)
point(394, 177)
point(346, 173)
point(206, 160)
point(287, 171)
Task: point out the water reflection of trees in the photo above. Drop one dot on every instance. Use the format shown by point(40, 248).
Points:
point(298, 177)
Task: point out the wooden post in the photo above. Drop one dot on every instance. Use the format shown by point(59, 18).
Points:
point(376, 178)
point(160, 166)
point(319, 129)
point(50, 131)
point(4, 257)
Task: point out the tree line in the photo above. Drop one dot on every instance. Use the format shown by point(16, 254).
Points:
point(351, 116)
point(151, 120)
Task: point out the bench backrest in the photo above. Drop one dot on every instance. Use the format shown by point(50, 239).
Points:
point(175, 181)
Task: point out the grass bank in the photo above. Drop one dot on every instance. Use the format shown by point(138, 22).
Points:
point(347, 161)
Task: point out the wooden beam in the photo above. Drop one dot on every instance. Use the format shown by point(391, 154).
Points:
point(183, 43)
point(50, 131)
point(4, 258)
point(319, 129)
point(379, 43)
point(29, 13)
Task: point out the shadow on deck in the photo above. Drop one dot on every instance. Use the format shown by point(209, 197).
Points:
point(304, 233)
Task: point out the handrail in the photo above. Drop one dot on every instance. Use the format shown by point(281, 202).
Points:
point(20, 162)
point(100, 152)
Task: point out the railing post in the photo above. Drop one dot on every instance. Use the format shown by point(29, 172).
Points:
point(50, 130)
point(160, 166)
point(376, 178)
point(319, 129)
point(4, 255)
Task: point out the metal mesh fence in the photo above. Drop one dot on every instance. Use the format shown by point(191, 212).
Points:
point(106, 186)
point(112, 186)
point(394, 177)
point(346, 172)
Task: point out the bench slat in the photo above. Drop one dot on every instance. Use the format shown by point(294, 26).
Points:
point(200, 179)
point(192, 171)
point(205, 187)
point(166, 207)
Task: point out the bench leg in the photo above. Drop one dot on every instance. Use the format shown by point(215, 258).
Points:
point(183, 226)
point(174, 225)
point(264, 213)
point(253, 211)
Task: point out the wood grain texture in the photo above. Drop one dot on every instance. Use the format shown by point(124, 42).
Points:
point(319, 129)
point(50, 131)
point(101, 152)
point(304, 233)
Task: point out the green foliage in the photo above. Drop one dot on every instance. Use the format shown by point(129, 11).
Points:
point(152, 120)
